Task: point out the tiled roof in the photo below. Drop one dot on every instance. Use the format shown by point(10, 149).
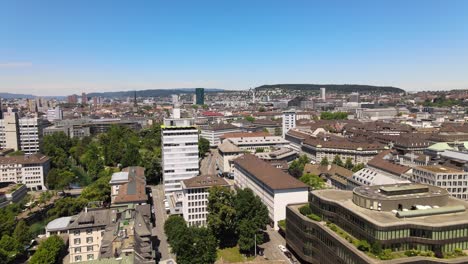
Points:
point(25, 159)
point(274, 178)
point(205, 181)
point(379, 162)
point(245, 134)
point(134, 189)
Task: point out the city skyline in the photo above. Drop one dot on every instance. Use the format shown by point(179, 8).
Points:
point(64, 48)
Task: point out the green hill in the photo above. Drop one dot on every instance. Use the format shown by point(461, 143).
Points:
point(333, 88)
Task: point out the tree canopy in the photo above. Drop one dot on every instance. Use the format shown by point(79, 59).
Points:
point(333, 115)
point(49, 251)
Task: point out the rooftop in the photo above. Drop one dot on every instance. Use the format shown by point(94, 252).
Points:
point(25, 159)
point(439, 169)
point(204, 181)
point(273, 177)
point(59, 223)
point(133, 190)
point(246, 134)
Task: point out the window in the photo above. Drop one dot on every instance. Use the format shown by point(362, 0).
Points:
point(77, 249)
point(89, 231)
point(77, 258)
point(89, 248)
point(77, 241)
point(90, 256)
point(76, 232)
point(89, 240)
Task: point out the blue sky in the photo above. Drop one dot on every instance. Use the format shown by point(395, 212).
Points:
point(63, 47)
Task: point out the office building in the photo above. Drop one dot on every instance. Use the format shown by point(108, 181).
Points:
point(323, 95)
point(455, 181)
point(275, 188)
point(396, 218)
point(254, 141)
point(29, 170)
point(289, 121)
point(214, 132)
point(200, 96)
point(227, 152)
point(54, 113)
point(354, 98)
point(195, 197)
point(179, 153)
point(72, 99)
point(23, 134)
point(84, 98)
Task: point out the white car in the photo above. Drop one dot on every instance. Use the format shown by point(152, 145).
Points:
point(282, 248)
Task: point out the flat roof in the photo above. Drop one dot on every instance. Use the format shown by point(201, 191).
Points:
point(59, 223)
point(395, 188)
point(386, 218)
point(439, 169)
point(204, 181)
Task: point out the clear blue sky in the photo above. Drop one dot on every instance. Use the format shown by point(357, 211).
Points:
point(62, 47)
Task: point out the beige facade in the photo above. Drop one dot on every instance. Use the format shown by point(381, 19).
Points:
point(85, 243)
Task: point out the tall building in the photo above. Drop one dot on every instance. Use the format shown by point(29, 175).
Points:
point(1, 108)
point(200, 94)
point(323, 95)
point(394, 218)
point(55, 113)
point(23, 134)
point(354, 98)
point(289, 121)
point(175, 99)
point(179, 152)
point(72, 99)
point(84, 98)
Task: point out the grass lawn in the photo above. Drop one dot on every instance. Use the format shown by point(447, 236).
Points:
point(232, 255)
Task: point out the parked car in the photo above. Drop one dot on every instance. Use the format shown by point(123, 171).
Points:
point(282, 248)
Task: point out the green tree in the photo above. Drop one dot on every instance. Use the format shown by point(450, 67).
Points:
point(151, 161)
point(324, 161)
point(296, 168)
point(66, 206)
point(261, 109)
point(222, 215)
point(49, 251)
point(250, 118)
point(177, 232)
point(98, 190)
point(11, 248)
point(278, 131)
point(349, 164)
point(199, 247)
point(21, 233)
point(203, 146)
point(314, 181)
point(337, 161)
point(358, 167)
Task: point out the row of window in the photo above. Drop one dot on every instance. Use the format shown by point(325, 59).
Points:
point(88, 257)
point(77, 241)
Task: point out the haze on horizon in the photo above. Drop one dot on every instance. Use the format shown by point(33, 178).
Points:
point(58, 47)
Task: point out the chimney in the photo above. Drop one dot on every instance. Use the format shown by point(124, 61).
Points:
point(86, 209)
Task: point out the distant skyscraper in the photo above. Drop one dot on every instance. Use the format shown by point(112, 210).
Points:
point(200, 93)
point(73, 99)
point(323, 94)
point(1, 108)
point(289, 120)
point(84, 98)
point(175, 99)
point(354, 98)
point(54, 114)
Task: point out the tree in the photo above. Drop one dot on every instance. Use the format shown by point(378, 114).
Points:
point(337, 161)
point(151, 161)
point(201, 247)
point(314, 181)
point(297, 166)
point(324, 161)
point(66, 206)
point(277, 131)
point(349, 164)
point(203, 146)
point(11, 248)
point(261, 109)
point(59, 179)
point(21, 233)
point(176, 231)
point(250, 118)
point(49, 251)
point(358, 167)
point(98, 190)
point(222, 215)
point(259, 150)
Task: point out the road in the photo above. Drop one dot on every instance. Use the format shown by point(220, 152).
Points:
point(208, 163)
point(160, 216)
point(271, 250)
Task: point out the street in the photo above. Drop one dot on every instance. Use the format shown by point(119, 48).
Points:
point(271, 250)
point(208, 163)
point(160, 216)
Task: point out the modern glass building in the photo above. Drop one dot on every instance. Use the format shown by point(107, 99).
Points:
point(200, 96)
point(396, 217)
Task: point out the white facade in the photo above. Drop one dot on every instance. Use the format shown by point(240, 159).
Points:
point(289, 121)
point(252, 143)
point(213, 135)
point(54, 114)
point(23, 134)
point(323, 95)
point(276, 199)
point(194, 206)
point(454, 181)
point(179, 153)
point(19, 170)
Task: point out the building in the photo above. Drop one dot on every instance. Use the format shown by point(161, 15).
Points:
point(227, 152)
point(128, 187)
point(455, 181)
point(72, 131)
point(200, 96)
point(195, 197)
point(84, 98)
point(214, 132)
point(11, 193)
point(354, 98)
point(59, 226)
point(72, 99)
point(335, 176)
point(179, 153)
point(23, 134)
point(86, 233)
point(54, 114)
point(282, 154)
point(275, 188)
point(395, 217)
point(29, 170)
point(255, 141)
point(323, 95)
point(289, 121)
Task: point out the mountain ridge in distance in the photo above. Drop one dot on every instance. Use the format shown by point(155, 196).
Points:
point(338, 88)
point(151, 92)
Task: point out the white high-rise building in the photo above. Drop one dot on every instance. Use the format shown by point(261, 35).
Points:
point(23, 134)
point(179, 153)
point(289, 120)
point(323, 94)
point(54, 114)
point(175, 99)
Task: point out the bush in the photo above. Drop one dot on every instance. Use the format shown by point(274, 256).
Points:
point(333, 227)
point(282, 224)
point(386, 254)
point(305, 210)
point(376, 248)
point(411, 253)
point(314, 217)
point(363, 245)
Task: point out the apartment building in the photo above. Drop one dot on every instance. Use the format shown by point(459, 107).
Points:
point(55, 113)
point(29, 170)
point(179, 153)
point(289, 121)
point(214, 132)
point(195, 197)
point(252, 141)
point(227, 152)
point(453, 180)
point(275, 188)
point(128, 187)
point(23, 134)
